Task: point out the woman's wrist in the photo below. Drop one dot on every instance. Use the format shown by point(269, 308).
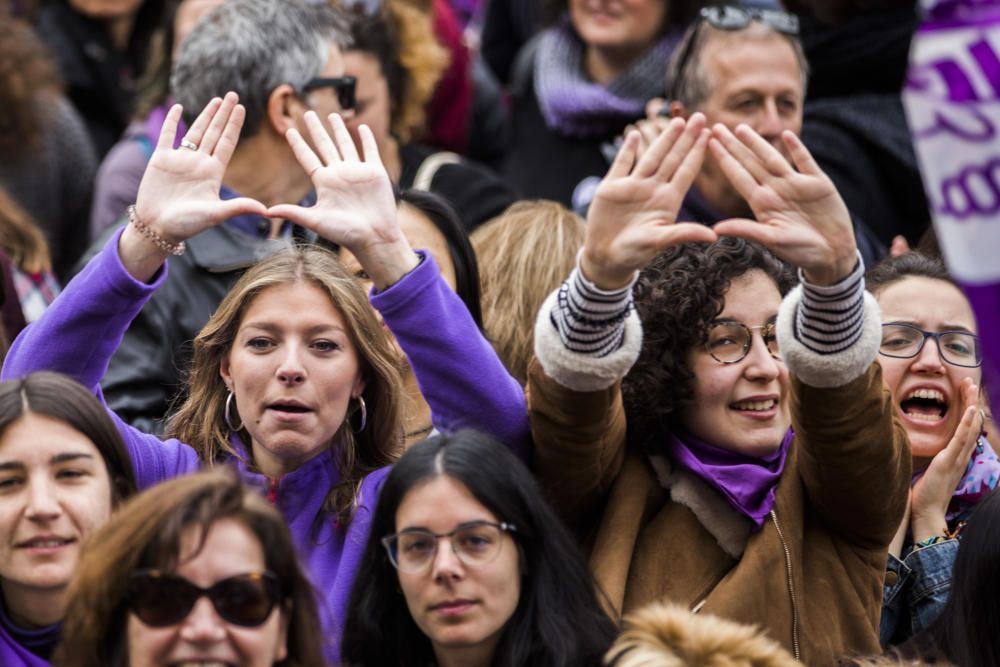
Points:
point(924, 529)
point(387, 263)
point(140, 256)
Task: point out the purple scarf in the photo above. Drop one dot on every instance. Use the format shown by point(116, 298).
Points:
point(575, 106)
point(981, 476)
point(747, 483)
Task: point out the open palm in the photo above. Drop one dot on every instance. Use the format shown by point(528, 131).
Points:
point(799, 214)
point(634, 211)
point(179, 193)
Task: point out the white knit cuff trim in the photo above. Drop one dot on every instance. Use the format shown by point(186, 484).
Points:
point(828, 370)
point(584, 372)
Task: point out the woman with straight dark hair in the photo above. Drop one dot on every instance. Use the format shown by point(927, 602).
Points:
point(512, 589)
point(135, 598)
point(63, 468)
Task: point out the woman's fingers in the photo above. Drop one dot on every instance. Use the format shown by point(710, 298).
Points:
point(218, 123)
point(801, 156)
point(622, 164)
point(750, 230)
point(681, 149)
point(739, 176)
point(369, 146)
point(767, 155)
point(691, 164)
point(342, 138)
point(200, 124)
point(740, 153)
point(321, 138)
point(169, 130)
point(230, 135)
point(303, 153)
point(653, 157)
point(294, 213)
point(687, 232)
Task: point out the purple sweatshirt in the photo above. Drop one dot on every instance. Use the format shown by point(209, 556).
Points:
point(459, 374)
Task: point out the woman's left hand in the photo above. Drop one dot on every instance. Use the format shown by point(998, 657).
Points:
point(932, 493)
point(800, 215)
point(355, 206)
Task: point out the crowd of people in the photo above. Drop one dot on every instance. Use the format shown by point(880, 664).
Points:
point(485, 333)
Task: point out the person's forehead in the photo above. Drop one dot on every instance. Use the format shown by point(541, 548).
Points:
point(728, 57)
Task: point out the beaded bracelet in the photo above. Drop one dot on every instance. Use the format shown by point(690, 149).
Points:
point(160, 242)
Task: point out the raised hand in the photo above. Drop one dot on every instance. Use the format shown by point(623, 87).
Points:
point(633, 215)
point(355, 206)
point(800, 215)
point(179, 192)
point(931, 494)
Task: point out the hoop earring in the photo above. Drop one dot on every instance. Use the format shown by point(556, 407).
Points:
point(229, 422)
point(364, 416)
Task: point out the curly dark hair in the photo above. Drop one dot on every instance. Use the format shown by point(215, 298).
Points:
point(893, 269)
point(677, 297)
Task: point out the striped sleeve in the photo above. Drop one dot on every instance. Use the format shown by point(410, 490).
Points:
point(590, 320)
point(830, 318)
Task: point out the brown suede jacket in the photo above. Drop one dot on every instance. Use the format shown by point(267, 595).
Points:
point(811, 577)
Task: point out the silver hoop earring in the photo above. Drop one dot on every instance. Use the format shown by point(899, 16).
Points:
point(229, 421)
point(364, 415)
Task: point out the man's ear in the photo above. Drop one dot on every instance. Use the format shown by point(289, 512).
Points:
point(677, 110)
point(283, 107)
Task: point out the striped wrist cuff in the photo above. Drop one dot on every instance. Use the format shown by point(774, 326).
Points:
point(830, 318)
point(591, 320)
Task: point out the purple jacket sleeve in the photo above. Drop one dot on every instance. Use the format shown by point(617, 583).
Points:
point(459, 373)
point(77, 335)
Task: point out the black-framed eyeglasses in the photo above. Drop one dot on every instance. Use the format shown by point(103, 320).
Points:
point(729, 17)
point(345, 86)
point(476, 543)
point(730, 342)
point(160, 599)
point(905, 341)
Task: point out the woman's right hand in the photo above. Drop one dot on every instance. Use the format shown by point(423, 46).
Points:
point(932, 493)
point(633, 215)
point(179, 193)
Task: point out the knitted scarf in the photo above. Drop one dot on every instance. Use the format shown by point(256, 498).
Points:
point(574, 106)
point(747, 483)
point(981, 476)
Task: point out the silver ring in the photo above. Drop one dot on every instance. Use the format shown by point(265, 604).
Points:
point(188, 144)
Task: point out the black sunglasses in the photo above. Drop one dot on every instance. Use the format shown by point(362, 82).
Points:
point(161, 599)
point(729, 17)
point(346, 87)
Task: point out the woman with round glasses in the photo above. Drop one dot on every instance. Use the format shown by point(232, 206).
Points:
point(489, 576)
point(757, 486)
point(196, 571)
point(931, 361)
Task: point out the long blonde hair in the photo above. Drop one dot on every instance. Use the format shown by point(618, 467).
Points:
point(524, 254)
point(200, 420)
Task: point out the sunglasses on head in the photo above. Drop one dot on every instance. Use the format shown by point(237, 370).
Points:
point(345, 86)
point(730, 17)
point(159, 599)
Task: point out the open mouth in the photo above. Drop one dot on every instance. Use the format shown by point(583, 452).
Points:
point(927, 405)
point(45, 543)
point(202, 663)
point(289, 408)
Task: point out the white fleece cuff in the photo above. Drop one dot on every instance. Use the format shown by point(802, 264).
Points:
point(828, 370)
point(583, 372)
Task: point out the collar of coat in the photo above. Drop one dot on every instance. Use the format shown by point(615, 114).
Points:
point(729, 528)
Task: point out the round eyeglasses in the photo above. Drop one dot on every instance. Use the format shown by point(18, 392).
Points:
point(905, 341)
point(476, 544)
point(729, 342)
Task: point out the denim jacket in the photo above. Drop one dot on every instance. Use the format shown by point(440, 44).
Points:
point(915, 590)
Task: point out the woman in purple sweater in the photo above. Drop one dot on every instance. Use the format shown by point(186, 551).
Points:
point(293, 380)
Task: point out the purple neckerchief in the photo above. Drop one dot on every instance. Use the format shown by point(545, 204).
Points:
point(980, 477)
point(154, 124)
point(746, 482)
